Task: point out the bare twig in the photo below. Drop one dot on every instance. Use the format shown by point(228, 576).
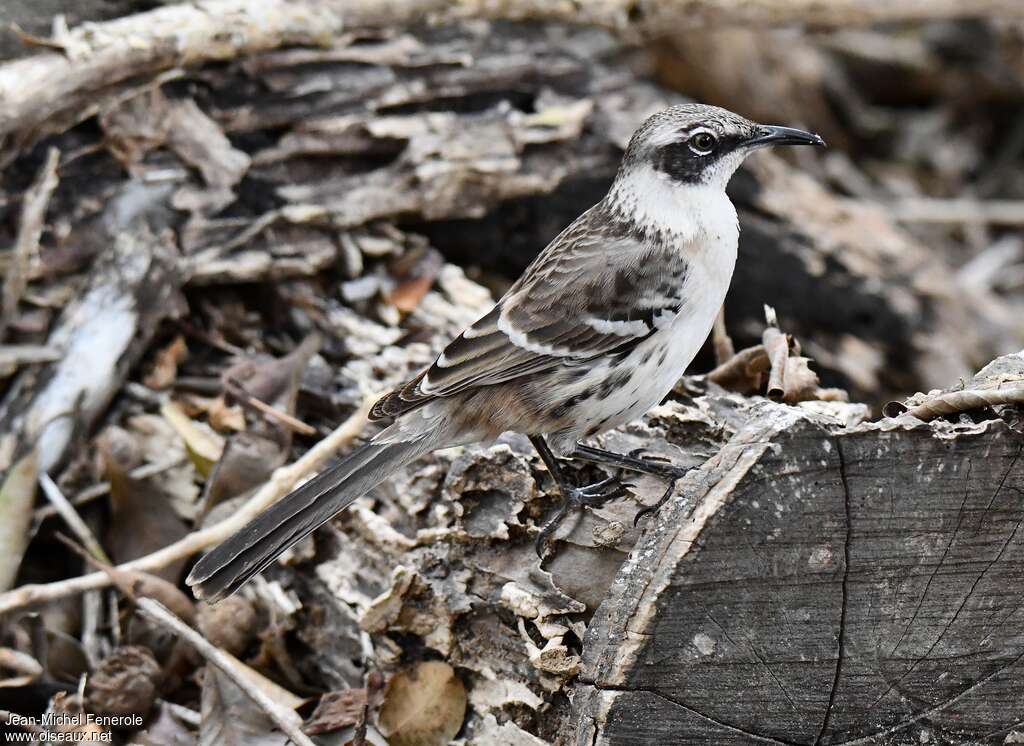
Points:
point(184, 714)
point(134, 585)
point(30, 229)
point(287, 720)
point(281, 481)
point(103, 488)
point(23, 664)
point(99, 55)
point(237, 390)
point(932, 210)
point(724, 348)
point(13, 356)
point(776, 345)
point(70, 515)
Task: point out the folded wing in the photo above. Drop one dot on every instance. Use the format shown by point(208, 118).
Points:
point(586, 296)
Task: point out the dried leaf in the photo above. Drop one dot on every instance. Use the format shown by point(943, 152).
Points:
point(165, 366)
point(224, 418)
point(231, 718)
point(247, 462)
point(415, 272)
point(801, 381)
point(165, 730)
point(142, 518)
point(203, 445)
point(136, 126)
point(424, 706)
point(273, 381)
point(336, 710)
point(160, 444)
point(16, 497)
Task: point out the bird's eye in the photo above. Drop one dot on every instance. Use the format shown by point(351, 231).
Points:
point(703, 143)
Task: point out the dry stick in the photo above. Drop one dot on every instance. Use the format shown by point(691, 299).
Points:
point(724, 348)
point(776, 344)
point(929, 210)
point(287, 720)
point(292, 423)
point(21, 663)
point(47, 92)
point(99, 490)
point(279, 484)
point(91, 601)
point(70, 515)
point(16, 355)
point(30, 229)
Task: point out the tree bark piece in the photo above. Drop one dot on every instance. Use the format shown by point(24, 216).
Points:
point(44, 93)
point(33, 217)
point(827, 585)
point(103, 332)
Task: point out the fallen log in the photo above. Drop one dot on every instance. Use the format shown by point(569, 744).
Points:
point(482, 142)
point(826, 584)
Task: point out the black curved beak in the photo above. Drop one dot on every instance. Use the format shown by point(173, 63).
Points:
point(773, 135)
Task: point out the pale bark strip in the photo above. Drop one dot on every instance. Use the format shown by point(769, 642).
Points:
point(49, 89)
point(30, 229)
point(36, 89)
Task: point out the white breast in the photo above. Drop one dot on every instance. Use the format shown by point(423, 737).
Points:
point(707, 233)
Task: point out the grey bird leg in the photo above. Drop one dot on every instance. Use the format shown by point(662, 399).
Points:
point(653, 465)
point(591, 495)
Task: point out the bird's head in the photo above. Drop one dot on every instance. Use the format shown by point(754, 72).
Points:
point(697, 145)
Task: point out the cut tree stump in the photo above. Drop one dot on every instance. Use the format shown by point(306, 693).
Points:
point(824, 585)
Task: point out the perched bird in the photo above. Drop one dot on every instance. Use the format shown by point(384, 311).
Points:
point(596, 331)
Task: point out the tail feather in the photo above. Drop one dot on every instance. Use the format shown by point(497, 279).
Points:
point(249, 551)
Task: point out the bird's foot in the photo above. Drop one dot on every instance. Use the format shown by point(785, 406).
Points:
point(661, 501)
point(573, 498)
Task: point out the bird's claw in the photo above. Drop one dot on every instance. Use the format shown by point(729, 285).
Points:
point(657, 506)
point(595, 495)
point(590, 495)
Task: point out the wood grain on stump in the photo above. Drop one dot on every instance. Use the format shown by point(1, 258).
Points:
point(824, 586)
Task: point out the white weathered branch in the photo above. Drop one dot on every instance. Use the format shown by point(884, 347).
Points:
point(54, 90)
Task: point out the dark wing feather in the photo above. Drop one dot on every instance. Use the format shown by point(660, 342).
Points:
point(587, 295)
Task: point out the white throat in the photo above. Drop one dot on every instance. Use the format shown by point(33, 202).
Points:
point(690, 212)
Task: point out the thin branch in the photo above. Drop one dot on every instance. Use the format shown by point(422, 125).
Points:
point(776, 345)
point(237, 390)
point(48, 92)
point(70, 515)
point(724, 348)
point(931, 210)
point(30, 229)
point(279, 484)
point(287, 720)
point(103, 488)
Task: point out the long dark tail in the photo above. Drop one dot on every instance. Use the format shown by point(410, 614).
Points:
point(233, 562)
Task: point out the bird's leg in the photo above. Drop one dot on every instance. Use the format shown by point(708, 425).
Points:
point(653, 465)
point(591, 495)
